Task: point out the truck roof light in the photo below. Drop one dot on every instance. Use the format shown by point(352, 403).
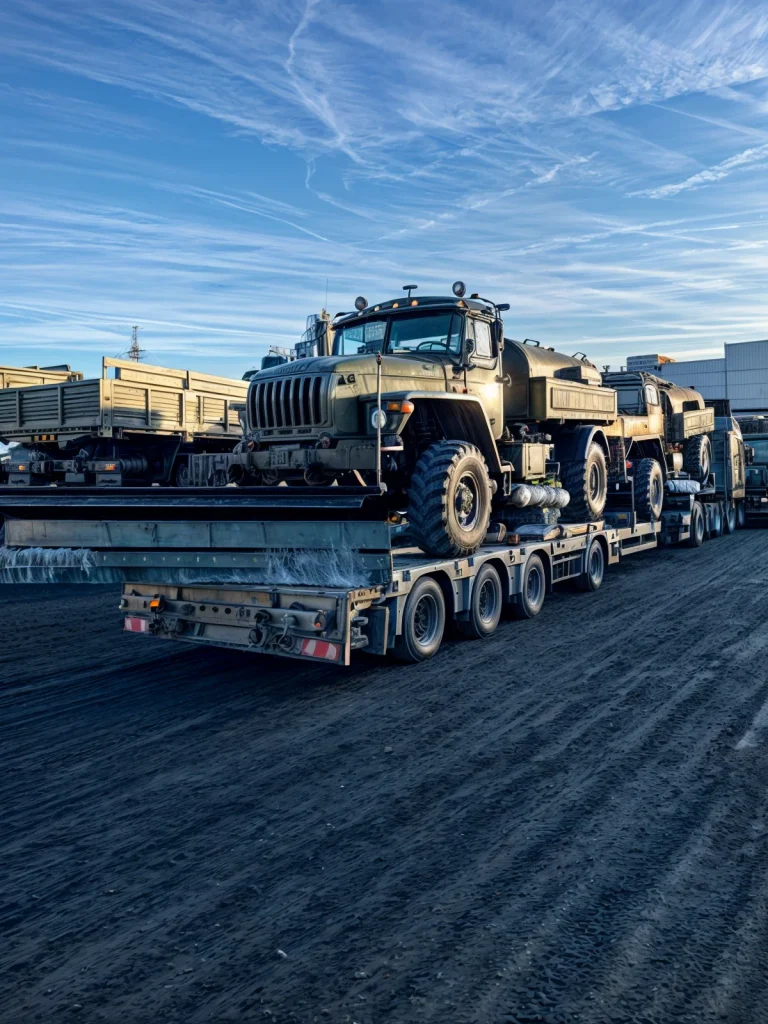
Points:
point(395, 305)
point(459, 289)
point(360, 303)
point(414, 302)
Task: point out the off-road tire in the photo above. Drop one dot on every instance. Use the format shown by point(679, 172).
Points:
point(649, 490)
point(587, 483)
point(434, 492)
point(486, 605)
point(181, 477)
point(741, 515)
point(697, 457)
point(423, 622)
point(696, 538)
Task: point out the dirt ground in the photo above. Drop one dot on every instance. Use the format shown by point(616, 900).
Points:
point(568, 822)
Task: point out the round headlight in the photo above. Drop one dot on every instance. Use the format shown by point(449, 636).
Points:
point(378, 418)
point(459, 289)
point(360, 303)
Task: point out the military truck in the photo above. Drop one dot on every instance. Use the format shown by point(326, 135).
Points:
point(133, 425)
point(661, 430)
point(426, 397)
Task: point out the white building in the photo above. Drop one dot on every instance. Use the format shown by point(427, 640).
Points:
point(740, 376)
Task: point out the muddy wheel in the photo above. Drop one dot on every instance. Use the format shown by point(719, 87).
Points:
point(181, 477)
point(533, 589)
point(594, 569)
point(423, 622)
point(696, 538)
point(697, 457)
point(587, 483)
point(649, 490)
point(449, 500)
point(741, 516)
point(485, 610)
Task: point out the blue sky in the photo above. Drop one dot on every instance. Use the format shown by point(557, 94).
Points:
point(201, 168)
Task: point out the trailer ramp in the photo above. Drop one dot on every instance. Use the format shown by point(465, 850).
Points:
point(336, 536)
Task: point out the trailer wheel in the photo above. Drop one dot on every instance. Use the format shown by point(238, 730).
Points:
point(729, 518)
point(486, 604)
point(449, 500)
point(717, 521)
point(697, 457)
point(423, 622)
point(587, 483)
point(533, 590)
point(741, 516)
point(594, 569)
point(696, 538)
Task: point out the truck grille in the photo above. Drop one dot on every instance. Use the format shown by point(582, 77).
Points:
point(294, 401)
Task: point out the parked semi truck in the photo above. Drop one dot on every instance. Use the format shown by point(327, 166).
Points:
point(133, 425)
point(427, 398)
point(320, 580)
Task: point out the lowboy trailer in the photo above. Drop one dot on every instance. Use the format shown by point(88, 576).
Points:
point(262, 570)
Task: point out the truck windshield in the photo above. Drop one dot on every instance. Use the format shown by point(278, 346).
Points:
point(433, 332)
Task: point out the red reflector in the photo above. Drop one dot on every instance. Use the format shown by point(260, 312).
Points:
point(136, 625)
point(320, 649)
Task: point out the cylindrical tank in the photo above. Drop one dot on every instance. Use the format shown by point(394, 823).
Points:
point(581, 396)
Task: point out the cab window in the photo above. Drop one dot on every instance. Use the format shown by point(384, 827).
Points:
point(651, 395)
point(482, 332)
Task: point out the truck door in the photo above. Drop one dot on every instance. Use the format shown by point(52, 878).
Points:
point(736, 470)
point(481, 380)
point(653, 409)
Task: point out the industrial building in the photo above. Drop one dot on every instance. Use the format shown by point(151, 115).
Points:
point(741, 375)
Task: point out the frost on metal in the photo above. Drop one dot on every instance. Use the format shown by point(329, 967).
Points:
point(296, 567)
point(317, 568)
point(47, 565)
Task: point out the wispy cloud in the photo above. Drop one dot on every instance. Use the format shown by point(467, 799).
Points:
point(202, 169)
point(710, 175)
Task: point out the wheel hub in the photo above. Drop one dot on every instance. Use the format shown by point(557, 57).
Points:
point(466, 503)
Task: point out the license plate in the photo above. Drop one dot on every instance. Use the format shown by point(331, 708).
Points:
point(279, 458)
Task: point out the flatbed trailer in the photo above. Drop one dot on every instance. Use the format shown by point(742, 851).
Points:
point(231, 567)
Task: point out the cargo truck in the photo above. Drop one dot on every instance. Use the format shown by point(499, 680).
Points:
point(458, 425)
point(133, 425)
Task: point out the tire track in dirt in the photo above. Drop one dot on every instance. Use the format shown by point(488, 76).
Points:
point(563, 829)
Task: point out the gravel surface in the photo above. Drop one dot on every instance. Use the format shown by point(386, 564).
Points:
point(568, 822)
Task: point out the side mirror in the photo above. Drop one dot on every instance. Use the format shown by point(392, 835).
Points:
point(469, 348)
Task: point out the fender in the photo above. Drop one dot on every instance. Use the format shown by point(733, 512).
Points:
point(461, 417)
point(573, 445)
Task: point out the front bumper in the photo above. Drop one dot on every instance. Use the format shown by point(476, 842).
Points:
point(284, 460)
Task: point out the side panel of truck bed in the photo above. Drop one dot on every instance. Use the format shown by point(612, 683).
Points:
point(139, 398)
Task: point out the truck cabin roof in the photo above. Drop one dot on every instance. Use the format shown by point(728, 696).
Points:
point(405, 305)
point(680, 399)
